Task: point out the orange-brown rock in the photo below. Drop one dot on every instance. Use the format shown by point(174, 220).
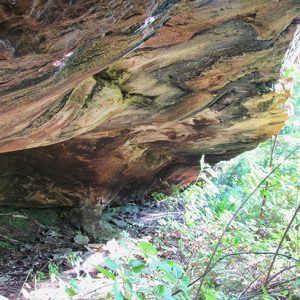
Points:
point(103, 100)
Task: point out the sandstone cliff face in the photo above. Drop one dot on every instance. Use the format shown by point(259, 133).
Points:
point(103, 100)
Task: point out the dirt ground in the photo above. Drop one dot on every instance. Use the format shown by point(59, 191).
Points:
point(30, 240)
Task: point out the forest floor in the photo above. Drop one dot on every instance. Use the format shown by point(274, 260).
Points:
point(38, 258)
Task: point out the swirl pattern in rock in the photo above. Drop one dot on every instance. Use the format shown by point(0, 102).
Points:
point(103, 100)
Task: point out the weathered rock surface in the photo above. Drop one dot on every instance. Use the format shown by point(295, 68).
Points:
point(107, 99)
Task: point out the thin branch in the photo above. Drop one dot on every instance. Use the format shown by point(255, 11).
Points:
point(28, 273)
point(272, 151)
point(249, 286)
point(270, 289)
point(235, 254)
point(14, 241)
point(236, 213)
point(264, 201)
point(272, 286)
point(280, 244)
point(94, 290)
point(281, 271)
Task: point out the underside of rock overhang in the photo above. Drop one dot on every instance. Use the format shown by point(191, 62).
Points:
point(106, 100)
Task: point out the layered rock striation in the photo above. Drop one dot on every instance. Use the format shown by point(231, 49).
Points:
point(104, 100)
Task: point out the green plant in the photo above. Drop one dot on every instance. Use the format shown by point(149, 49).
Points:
point(53, 269)
point(74, 259)
point(210, 204)
point(73, 288)
point(5, 245)
point(144, 276)
point(40, 276)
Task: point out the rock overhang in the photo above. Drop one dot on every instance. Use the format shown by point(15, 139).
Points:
point(105, 100)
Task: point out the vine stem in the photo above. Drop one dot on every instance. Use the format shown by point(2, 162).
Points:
point(234, 216)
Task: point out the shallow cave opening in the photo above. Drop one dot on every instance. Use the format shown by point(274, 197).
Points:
point(69, 201)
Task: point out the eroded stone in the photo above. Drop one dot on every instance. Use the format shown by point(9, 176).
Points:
point(105, 100)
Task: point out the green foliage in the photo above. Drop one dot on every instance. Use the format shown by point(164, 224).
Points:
point(71, 292)
point(144, 275)
point(40, 276)
point(74, 259)
point(53, 269)
point(73, 289)
point(5, 245)
point(47, 217)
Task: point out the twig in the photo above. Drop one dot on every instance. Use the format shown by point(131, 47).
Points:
point(236, 213)
point(274, 285)
point(2, 236)
point(249, 286)
point(29, 272)
point(263, 204)
point(280, 243)
point(277, 284)
point(270, 289)
point(235, 254)
point(40, 270)
point(95, 290)
point(13, 215)
point(281, 271)
point(272, 151)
